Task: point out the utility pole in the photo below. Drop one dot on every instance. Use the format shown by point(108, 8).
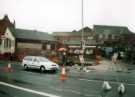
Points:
point(82, 37)
point(82, 41)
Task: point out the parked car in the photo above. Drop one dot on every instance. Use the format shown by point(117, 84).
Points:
point(38, 62)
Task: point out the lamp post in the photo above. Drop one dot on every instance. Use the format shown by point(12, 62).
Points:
point(82, 36)
point(82, 22)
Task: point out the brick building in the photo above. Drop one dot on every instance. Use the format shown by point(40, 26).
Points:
point(73, 40)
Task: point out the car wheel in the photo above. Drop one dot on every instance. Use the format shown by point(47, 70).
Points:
point(25, 67)
point(42, 68)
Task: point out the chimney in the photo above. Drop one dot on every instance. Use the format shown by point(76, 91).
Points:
point(6, 17)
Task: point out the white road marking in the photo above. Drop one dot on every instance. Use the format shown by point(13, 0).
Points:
point(28, 90)
point(129, 84)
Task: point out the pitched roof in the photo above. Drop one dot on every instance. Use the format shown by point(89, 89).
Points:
point(61, 33)
point(111, 29)
point(4, 24)
point(86, 30)
point(33, 35)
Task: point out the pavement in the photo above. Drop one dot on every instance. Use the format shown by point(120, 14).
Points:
point(107, 65)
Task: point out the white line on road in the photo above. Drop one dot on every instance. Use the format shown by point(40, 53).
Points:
point(28, 90)
point(109, 81)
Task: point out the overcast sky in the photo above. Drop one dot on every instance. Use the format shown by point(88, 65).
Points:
point(65, 15)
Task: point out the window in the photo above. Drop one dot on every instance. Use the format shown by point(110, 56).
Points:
point(35, 60)
point(100, 36)
point(7, 43)
point(110, 36)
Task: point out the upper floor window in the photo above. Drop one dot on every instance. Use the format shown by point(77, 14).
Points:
point(110, 36)
point(100, 36)
point(7, 43)
point(106, 36)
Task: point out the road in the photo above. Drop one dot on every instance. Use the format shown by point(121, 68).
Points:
point(32, 83)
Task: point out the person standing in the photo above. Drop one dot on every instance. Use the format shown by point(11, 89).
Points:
point(64, 59)
point(114, 58)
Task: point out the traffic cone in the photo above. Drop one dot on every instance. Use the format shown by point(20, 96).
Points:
point(106, 86)
point(121, 89)
point(63, 75)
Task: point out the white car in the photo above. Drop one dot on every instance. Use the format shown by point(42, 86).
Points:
point(37, 62)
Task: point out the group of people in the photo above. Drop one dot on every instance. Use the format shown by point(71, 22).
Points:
point(66, 59)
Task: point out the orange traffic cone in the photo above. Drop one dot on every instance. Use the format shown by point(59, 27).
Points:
point(63, 75)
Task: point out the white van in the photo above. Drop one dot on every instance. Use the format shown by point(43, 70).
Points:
point(38, 62)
